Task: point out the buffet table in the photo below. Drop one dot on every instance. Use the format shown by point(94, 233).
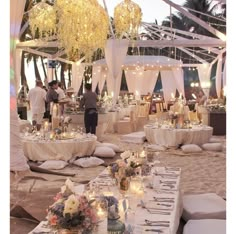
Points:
point(37, 149)
point(169, 137)
point(161, 210)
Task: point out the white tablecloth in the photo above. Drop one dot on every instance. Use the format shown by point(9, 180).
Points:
point(172, 137)
point(42, 150)
point(78, 120)
point(137, 219)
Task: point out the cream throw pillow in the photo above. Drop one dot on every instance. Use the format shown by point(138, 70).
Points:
point(104, 152)
point(116, 148)
point(191, 148)
point(212, 146)
point(53, 164)
point(88, 162)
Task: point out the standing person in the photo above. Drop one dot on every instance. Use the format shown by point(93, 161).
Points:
point(89, 102)
point(37, 98)
point(61, 95)
point(52, 97)
point(201, 100)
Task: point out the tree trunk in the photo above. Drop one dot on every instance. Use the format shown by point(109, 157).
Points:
point(22, 70)
point(55, 72)
point(69, 74)
point(44, 70)
point(63, 83)
point(36, 70)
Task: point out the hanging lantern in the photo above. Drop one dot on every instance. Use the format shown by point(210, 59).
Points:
point(127, 18)
point(42, 20)
point(81, 26)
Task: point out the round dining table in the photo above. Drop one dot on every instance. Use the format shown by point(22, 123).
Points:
point(37, 149)
point(171, 137)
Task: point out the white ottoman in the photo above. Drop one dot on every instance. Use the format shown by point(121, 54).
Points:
point(205, 226)
point(203, 206)
point(134, 137)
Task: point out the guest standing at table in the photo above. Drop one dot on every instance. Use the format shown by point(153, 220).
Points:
point(52, 97)
point(61, 95)
point(37, 98)
point(201, 100)
point(89, 102)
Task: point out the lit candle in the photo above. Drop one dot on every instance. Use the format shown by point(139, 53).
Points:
point(100, 212)
point(51, 136)
point(142, 155)
point(46, 126)
point(54, 110)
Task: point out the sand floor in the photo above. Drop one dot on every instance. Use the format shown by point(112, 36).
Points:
point(201, 173)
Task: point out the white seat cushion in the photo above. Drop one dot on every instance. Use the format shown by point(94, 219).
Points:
point(88, 162)
point(134, 137)
point(212, 146)
point(116, 148)
point(53, 164)
point(205, 226)
point(203, 206)
point(104, 152)
point(156, 148)
point(191, 148)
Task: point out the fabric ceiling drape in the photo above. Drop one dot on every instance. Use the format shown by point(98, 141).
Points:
point(179, 79)
point(96, 77)
point(77, 76)
point(204, 72)
point(168, 84)
point(18, 161)
point(224, 75)
point(219, 76)
point(18, 54)
point(115, 52)
point(141, 82)
point(102, 80)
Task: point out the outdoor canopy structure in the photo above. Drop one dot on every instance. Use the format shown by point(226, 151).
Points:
point(209, 51)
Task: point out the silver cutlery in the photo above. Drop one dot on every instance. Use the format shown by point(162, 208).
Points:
point(154, 230)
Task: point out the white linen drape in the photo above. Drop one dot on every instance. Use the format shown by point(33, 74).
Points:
point(102, 80)
point(77, 76)
point(224, 75)
point(179, 79)
point(204, 72)
point(219, 76)
point(168, 84)
point(18, 54)
point(18, 161)
point(115, 52)
point(96, 76)
point(141, 82)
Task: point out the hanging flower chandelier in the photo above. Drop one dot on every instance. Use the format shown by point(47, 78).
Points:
point(42, 20)
point(81, 26)
point(127, 18)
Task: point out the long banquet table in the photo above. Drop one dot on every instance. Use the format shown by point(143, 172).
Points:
point(173, 137)
point(164, 201)
point(37, 149)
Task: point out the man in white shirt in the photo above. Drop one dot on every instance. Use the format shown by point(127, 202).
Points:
point(37, 98)
point(60, 91)
point(61, 95)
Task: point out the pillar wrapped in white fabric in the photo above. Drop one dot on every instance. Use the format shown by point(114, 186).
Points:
point(18, 161)
point(115, 52)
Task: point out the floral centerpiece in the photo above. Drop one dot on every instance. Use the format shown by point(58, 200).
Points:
point(71, 211)
point(122, 170)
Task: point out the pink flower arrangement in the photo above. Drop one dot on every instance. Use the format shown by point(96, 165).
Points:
point(70, 211)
